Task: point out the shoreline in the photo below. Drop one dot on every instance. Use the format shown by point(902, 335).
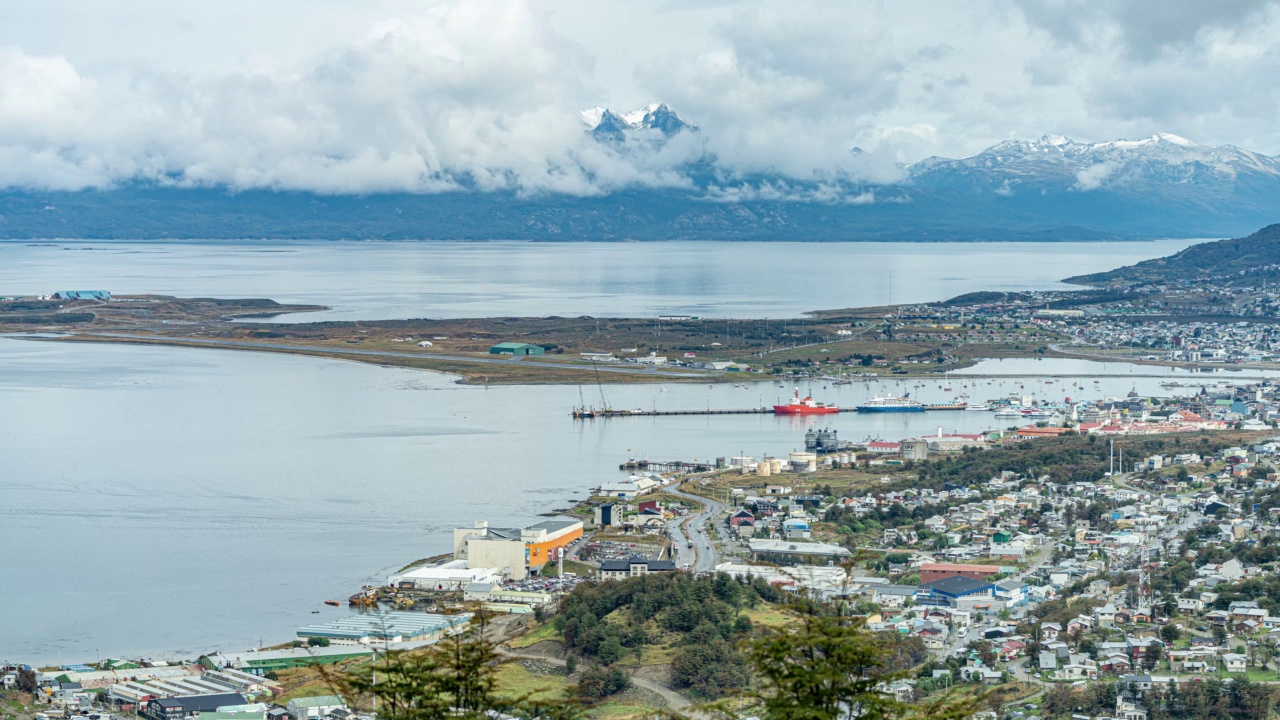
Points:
point(526, 372)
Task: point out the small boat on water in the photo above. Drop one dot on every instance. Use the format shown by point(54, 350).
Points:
point(334, 603)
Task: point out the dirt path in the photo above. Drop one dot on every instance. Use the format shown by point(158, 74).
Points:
point(675, 700)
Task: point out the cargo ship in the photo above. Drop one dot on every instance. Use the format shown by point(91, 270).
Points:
point(890, 404)
point(805, 406)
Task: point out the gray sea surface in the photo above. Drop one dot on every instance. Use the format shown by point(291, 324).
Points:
point(380, 280)
point(173, 501)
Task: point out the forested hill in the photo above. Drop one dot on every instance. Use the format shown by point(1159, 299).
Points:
point(1256, 256)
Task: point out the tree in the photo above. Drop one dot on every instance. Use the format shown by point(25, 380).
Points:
point(1154, 654)
point(598, 683)
point(1170, 633)
point(1219, 634)
point(610, 651)
point(827, 666)
point(451, 680)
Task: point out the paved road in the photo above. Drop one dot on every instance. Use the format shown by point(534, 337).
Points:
point(696, 527)
point(283, 347)
point(1018, 669)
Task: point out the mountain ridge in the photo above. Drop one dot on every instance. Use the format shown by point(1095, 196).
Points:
point(1052, 188)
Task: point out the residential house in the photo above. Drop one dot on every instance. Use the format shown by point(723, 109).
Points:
point(1105, 615)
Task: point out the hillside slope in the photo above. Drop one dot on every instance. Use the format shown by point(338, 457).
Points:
point(1248, 258)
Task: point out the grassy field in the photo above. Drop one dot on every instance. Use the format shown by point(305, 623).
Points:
point(570, 566)
point(517, 681)
point(768, 616)
point(308, 681)
point(17, 705)
point(545, 631)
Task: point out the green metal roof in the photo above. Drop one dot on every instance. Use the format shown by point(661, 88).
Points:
point(317, 701)
point(514, 345)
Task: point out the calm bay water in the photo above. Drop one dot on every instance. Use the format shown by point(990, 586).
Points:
point(172, 500)
point(451, 279)
point(161, 501)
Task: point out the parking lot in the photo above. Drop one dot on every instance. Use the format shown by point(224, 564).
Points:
point(597, 551)
point(555, 584)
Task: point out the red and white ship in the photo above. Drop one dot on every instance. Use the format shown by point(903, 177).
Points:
point(807, 406)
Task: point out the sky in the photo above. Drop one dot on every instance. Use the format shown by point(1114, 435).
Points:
point(392, 95)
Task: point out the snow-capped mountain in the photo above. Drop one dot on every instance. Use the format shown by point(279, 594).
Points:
point(1049, 189)
point(1057, 163)
point(603, 122)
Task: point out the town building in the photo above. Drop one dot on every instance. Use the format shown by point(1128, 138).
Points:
point(515, 552)
point(516, 348)
point(633, 567)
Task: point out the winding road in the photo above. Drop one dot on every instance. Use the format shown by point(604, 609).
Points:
point(696, 526)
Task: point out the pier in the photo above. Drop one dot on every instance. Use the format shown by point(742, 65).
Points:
point(591, 414)
point(678, 466)
point(610, 413)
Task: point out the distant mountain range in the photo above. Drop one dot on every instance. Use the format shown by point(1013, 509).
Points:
point(1048, 189)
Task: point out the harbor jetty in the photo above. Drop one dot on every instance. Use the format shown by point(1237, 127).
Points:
point(592, 413)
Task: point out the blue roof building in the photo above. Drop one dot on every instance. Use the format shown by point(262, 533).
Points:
point(949, 590)
point(82, 295)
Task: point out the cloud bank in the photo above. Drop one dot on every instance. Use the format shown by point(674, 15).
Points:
point(485, 94)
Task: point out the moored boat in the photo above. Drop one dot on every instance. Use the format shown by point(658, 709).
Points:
point(805, 406)
point(891, 404)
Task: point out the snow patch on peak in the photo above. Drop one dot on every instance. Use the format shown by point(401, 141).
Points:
point(1155, 139)
point(636, 117)
point(592, 117)
point(1175, 139)
point(1055, 140)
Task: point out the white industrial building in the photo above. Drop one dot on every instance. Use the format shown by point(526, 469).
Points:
point(451, 576)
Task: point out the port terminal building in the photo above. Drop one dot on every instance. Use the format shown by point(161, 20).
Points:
point(516, 553)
